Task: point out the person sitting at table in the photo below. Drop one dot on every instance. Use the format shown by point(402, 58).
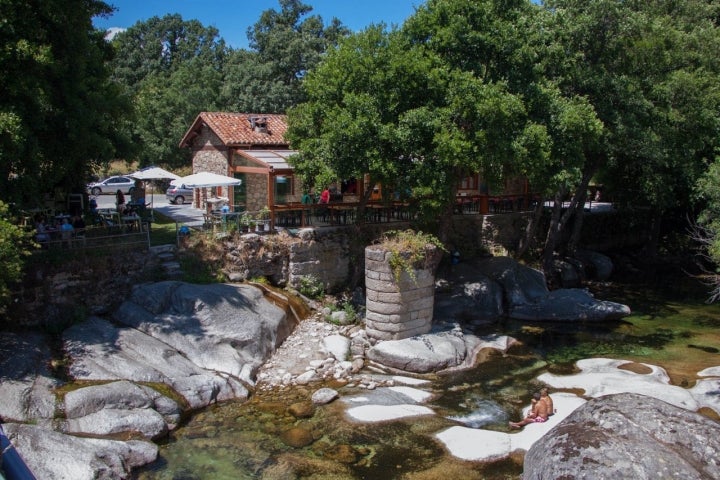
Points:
point(66, 231)
point(137, 196)
point(42, 233)
point(225, 208)
point(78, 222)
point(120, 202)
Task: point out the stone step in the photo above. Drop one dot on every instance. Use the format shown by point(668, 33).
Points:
point(171, 266)
point(158, 249)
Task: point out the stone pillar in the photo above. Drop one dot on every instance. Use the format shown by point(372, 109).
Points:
point(396, 309)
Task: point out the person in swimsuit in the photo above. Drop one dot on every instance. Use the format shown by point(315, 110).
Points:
point(537, 414)
point(548, 401)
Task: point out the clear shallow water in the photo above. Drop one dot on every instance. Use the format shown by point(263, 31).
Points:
point(671, 326)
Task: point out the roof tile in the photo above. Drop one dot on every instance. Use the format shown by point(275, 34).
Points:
point(236, 129)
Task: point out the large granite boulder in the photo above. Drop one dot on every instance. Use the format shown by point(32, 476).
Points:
point(225, 328)
point(627, 436)
point(204, 341)
point(120, 407)
point(99, 351)
point(570, 304)
point(26, 389)
point(491, 288)
point(472, 298)
point(597, 266)
point(51, 455)
point(434, 352)
point(521, 284)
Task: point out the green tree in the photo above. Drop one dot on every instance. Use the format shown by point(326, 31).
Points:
point(173, 70)
point(14, 244)
point(160, 46)
point(167, 104)
point(59, 113)
point(650, 72)
point(422, 107)
point(284, 46)
point(707, 230)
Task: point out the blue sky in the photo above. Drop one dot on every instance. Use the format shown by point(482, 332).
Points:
point(233, 17)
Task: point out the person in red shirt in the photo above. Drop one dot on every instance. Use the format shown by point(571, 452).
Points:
point(325, 196)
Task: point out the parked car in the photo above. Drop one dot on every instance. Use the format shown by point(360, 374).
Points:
point(112, 185)
point(178, 194)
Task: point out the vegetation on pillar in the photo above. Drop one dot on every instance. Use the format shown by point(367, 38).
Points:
point(411, 250)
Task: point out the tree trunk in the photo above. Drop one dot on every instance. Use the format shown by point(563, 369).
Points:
point(651, 247)
point(531, 229)
point(553, 234)
point(581, 195)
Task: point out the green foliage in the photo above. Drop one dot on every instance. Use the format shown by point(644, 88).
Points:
point(285, 45)
point(410, 250)
point(173, 70)
point(351, 315)
point(707, 234)
point(311, 287)
point(163, 230)
point(14, 249)
point(59, 113)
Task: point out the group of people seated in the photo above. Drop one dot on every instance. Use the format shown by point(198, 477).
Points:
point(61, 227)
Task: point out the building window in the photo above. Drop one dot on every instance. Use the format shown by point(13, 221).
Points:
point(283, 188)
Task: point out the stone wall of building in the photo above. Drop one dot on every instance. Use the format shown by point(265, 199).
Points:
point(256, 191)
point(396, 307)
point(209, 155)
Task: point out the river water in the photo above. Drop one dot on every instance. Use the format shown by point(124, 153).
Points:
point(671, 326)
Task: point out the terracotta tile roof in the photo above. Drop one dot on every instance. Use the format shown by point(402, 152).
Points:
point(236, 129)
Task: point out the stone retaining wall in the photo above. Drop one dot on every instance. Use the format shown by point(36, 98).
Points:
point(396, 309)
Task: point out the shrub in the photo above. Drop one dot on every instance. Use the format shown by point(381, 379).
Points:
point(311, 287)
point(14, 248)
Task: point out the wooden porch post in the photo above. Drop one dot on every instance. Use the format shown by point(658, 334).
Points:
point(271, 197)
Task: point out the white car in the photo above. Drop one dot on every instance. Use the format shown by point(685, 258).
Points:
point(111, 185)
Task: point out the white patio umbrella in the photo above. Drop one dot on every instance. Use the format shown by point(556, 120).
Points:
point(153, 173)
point(207, 179)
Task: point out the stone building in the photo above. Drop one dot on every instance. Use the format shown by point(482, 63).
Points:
point(248, 146)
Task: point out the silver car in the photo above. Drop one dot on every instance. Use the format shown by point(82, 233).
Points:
point(112, 185)
point(178, 194)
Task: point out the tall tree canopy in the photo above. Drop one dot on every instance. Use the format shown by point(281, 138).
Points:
point(160, 46)
point(284, 46)
point(58, 109)
point(561, 93)
point(420, 108)
point(650, 70)
point(173, 69)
